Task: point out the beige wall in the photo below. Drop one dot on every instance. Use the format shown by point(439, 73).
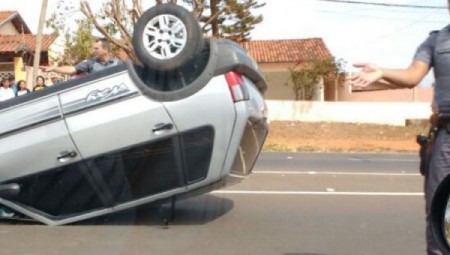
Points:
point(275, 66)
point(277, 76)
point(277, 88)
point(8, 29)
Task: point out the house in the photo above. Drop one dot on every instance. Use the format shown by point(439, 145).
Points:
point(274, 57)
point(17, 46)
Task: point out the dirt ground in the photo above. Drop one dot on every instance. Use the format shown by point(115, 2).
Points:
point(343, 137)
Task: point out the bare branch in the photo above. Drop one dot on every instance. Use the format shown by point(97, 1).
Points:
point(86, 10)
point(118, 18)
point(137, 6)
point(198, 8)
point(213, 17)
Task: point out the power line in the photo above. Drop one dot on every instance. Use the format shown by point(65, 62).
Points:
point(387, 4)
point(391, 17)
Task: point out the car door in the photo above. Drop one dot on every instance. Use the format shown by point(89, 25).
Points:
point(205, 122)
point(36, 153)
point(127, 140)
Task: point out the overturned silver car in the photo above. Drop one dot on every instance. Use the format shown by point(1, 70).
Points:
point(189, 119)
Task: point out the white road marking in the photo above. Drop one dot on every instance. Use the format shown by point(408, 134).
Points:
point(323, 193)
point(334, 173)
point(384, 159)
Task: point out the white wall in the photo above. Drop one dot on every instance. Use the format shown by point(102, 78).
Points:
point(351, 112)
point(8, 29)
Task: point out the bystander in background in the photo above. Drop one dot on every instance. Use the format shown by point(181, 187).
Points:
point(6, 92)
point(22, 88)
point(40, 83)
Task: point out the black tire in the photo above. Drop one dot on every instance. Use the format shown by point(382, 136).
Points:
point(151, 39)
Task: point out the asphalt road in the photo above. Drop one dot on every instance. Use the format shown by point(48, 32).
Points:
point(293, 204)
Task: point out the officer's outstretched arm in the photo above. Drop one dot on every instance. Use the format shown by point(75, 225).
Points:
point(407, 78)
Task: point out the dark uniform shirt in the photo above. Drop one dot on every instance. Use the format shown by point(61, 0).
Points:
point(93, 65)
point(435, 51)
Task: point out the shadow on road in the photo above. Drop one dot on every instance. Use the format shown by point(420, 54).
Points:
point(303, 254)
point(193, 211)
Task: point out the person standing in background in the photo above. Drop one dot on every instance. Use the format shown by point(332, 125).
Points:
point(40, 83)
point(6, 92)
point(22, 88)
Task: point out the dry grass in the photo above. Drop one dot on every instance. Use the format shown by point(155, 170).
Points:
point(321, 136)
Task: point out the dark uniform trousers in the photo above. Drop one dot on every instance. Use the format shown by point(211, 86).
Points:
point(439, 169)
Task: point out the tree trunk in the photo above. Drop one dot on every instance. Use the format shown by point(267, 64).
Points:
point(214, 23)
point(37, 51)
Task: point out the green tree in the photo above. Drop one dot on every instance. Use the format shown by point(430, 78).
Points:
point(78, 46)
point(238, 20)
point(230, 19)
point(305, 77)
point(77, 39)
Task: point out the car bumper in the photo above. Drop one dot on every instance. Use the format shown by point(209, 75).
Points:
point(251, 143)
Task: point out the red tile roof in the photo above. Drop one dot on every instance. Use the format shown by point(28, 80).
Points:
point(11, 43)
point(4, 15)
point(282, 51)
point(15, 19)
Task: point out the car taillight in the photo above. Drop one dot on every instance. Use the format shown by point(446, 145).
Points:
point(237, 86)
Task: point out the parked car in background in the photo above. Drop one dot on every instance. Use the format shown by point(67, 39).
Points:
point(189, 119)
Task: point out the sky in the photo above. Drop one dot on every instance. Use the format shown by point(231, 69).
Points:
point(384, 35)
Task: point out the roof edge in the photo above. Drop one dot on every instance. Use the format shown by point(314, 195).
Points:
point(10, 18)
point(16, 16)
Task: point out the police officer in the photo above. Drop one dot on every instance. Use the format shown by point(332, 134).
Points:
point(433, 52)
point(102, 59)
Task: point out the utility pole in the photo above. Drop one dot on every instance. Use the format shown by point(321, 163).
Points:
point(37, 51)
point(214, 23)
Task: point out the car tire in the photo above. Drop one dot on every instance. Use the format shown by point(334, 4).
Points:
point(167, 36)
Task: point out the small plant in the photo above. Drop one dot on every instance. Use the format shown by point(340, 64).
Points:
point(305, 77)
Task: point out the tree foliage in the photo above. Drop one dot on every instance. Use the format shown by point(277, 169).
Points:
point(78, 46)
point(306, 77)
point(238, 20)
point(231, 19)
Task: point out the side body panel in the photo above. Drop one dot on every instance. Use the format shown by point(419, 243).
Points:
point(32, 137)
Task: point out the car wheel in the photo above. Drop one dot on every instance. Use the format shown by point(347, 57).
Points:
point(166, 36)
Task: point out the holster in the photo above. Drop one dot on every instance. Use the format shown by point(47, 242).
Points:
point(426, 143)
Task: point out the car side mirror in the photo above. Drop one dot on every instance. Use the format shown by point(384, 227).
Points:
point(440, 215)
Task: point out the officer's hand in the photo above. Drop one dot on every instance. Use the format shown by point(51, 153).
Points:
point(368, 74)
point(46, 68)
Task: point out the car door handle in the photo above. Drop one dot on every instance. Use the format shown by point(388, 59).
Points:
point(66, 155)
point(162, 126)
point(9, 190)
